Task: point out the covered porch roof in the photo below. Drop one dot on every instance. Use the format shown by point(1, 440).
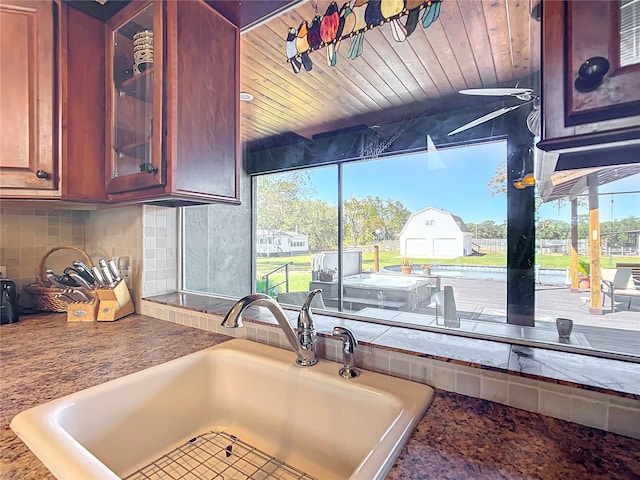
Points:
point(571, 183)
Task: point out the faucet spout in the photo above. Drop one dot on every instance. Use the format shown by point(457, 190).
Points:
point(305, 351)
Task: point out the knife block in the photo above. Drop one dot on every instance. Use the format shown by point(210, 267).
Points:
point(114, 303)
point(82, 311)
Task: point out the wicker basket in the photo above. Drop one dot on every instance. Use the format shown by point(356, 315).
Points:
point(43, 291)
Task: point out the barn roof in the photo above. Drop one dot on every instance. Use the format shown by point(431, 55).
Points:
point(461, 225)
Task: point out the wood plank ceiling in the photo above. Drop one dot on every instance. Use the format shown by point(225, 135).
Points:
point(473, 44)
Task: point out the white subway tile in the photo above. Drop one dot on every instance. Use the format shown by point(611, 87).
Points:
point(591, 413)
point(421, 372)
point(251, 332)
point(468, 384)
point(494, 389)
point(554, 404)
point(380, 360)
point(399, 367)
point(625, 421)
point(444, 378)
point(523, 396)
point(262, 335)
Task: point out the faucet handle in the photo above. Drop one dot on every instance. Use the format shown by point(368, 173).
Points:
point(305, 317)
point(349, 344)
point(306, 328)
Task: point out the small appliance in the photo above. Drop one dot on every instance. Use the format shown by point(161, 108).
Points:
point(8, 302)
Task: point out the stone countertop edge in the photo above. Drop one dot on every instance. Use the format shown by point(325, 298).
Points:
point(566, 373)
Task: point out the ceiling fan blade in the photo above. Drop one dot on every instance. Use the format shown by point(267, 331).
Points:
point(497, 92)
point(533, 122)
point(485, 118)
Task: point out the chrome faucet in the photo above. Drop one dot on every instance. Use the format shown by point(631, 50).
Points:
point(304, 343)
point(349, 344)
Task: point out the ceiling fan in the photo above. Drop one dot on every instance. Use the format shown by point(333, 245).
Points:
point(527, 95)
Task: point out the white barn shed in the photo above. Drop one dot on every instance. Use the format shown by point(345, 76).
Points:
point(280, 243)
point(434, 233)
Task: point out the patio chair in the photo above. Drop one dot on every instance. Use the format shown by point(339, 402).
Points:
point(618, 282)
point(298, 299)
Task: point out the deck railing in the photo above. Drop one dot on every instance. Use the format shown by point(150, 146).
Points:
point(266, 276)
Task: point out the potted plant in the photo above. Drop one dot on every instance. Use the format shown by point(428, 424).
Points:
point(261, 286)
point(584, 269)
point(406, 265)
point(327, 275)
point(426, 269)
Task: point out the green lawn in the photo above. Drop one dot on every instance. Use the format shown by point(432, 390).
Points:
point(300, 270)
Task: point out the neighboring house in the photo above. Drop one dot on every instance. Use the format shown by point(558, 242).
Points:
point(553, 246)
point(434, 233)
point(278, 243)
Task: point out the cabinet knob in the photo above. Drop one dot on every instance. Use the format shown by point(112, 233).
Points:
point(148, 168)
point(42, 174)
point(591, 73)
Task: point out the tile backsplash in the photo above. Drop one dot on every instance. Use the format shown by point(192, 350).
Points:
point(147, 235)
point(27, 234)
point(160, 234)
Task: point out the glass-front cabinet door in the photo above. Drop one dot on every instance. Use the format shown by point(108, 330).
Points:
point(134, 99)
point(603, 76)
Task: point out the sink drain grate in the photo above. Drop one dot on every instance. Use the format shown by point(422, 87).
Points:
point(218, 455)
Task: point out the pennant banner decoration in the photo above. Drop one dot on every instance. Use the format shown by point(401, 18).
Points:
point(351, 21)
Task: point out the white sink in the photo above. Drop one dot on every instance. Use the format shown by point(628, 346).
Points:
point(308, 417)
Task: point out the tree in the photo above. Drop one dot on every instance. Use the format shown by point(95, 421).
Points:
point(319, 221)
point(553, 230)
point(361, 218)
point(488, 229)
point(353, 219)
point(498, 183)
point(277, 196)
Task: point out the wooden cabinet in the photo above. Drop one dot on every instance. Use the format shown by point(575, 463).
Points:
point(590, 90)
point(172, 113)
point(28, 112)
point(82, 100)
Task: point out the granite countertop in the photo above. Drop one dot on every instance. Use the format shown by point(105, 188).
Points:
point(44, 357)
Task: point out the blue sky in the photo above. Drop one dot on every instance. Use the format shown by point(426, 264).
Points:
point(455, 180)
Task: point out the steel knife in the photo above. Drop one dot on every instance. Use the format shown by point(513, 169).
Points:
point(98, 276)
point(106, 273)
point(114, 270)
point(81, 281)
point(85, 272)
point(53, 278)
point(83, 296)
point(65, 297)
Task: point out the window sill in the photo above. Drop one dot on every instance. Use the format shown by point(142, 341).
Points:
point(603, 375)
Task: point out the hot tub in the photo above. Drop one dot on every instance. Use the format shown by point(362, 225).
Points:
point(384, 290)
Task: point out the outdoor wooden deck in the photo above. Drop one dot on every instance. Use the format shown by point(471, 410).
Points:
point(484, 301)
point(610, 332)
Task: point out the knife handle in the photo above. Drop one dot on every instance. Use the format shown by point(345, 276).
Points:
point(114, 270)
point(85, 272)
point(108, 278)
point(98, 276)
point(81, 281)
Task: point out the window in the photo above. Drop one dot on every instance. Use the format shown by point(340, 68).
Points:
point(354, 173)
point(402, 207)
point(384, 205)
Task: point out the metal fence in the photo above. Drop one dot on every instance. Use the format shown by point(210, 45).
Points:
point(499, 245)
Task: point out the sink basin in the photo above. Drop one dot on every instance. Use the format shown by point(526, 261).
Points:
point(309, 418)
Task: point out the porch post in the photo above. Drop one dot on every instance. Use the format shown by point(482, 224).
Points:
point(595, 306)
point(574, 245)
point(520, 237)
